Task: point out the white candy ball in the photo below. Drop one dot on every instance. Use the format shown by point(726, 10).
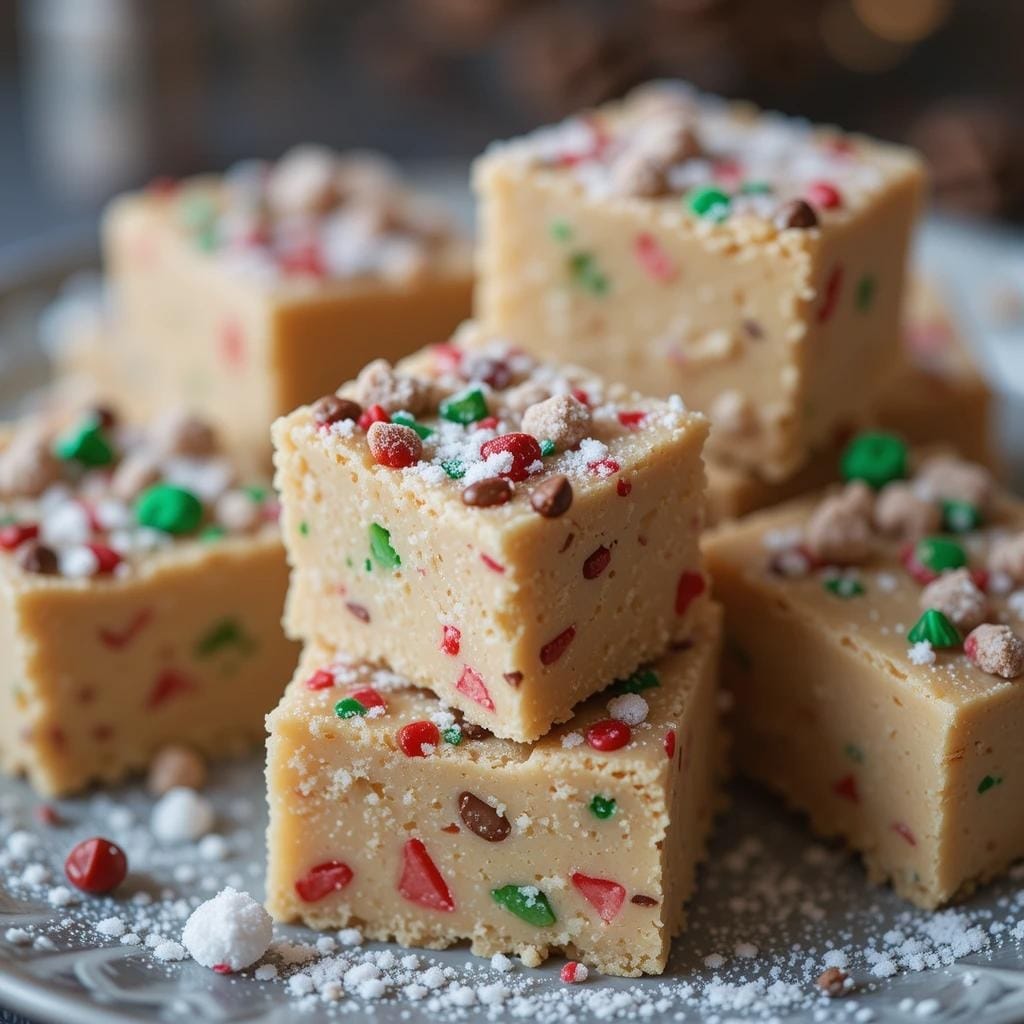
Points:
point(182, 815)
point(232, 930)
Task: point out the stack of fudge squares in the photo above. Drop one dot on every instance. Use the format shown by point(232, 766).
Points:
point(516, 553)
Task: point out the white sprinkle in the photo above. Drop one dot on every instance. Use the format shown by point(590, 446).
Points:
point(921, 653)
point(630, 708)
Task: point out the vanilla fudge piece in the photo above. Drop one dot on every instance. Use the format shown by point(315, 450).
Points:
point(141, 589)
point(254, 292)
point(749, 262)
point(511, 534)
point(873, 652)
point(389, 811)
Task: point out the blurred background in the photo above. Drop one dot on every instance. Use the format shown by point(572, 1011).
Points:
point(99, 95)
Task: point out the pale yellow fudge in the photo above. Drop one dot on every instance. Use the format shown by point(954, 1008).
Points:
point(677, 243)
point(872, 650)
point(141, 589)
point(515, 537)
point(253, 292)
point(390, 812)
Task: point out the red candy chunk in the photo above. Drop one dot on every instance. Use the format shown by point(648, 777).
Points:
point(573, 973)
point(605, 896)
point(971, 647)
point(632, 418)
point(669, 743)
point(690, 586)
point(168, 684)
point(447, 357)
point(523, 448)
point(323, 880)
point(96, 866)
point(369, 698)
point(581, 396)
point(491, 563)
point(304, 259)
point(451, 640)
point(221, 969)
point(604, 468)
point(107, 559)
point(321, 679)
point(652, 257)
point(15, 534)
point(554, 649)
point(824, 195)
point(471, 683)
point(596, 563)
point(394, 445)
point(623, 488)
point(904, 832)
point(412, 738)
point(846, 787)
point(421, 882)
point(609, 734)
point(833, 286)
point(373, 414)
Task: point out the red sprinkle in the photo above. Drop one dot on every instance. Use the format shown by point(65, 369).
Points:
point(604, 467)
point(373, 414)
point(904, 832)
point(412, 738)
point(727, 171)
point(487, 423)
point(604, 895)
point(581, 396)
point(670, 743)
point(322, 880)
point(221, 969)
point(115, 639)
point(169, 683)
point(321, 679)
point(46, 814)
point(846, 787)
point(96, 865)
point(623, 487)
point(632, 418)
point(107, 559)
point(832, 288)
point(232, 344)
point(304, 259)
point(491, 563)
point(358, 611)
point(596, 563)
point(471, 683)
point(571, 973)
point(421, 882)
point(14, 534)
point(451, 640)
point(554, 649)
point(523, 448)
point(369, 698)
point(824, 195)
point(609, 734)
point(690, 586)
point(653, 258)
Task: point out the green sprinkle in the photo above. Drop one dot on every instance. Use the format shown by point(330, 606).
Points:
point(934, 627)
point(197, 210)
point(349, 707)
point(206, 237)
point(602, 807)
point(527, 902)
point(466, 408)
point(169, 509)
point(212, 532)
point(408, 421)
point(256, 492)
point(960, 516)
point(641, 679)
point(304, 528)
point(710, 203)
point(988, 782)
point(587, 274)
point(349, 562)
point(940, 554)
point(86, 444)
point(455, 469)
point(380, 547)
point(756, 188)
point(368, 565)
point(452, 735)
point(560, 230)
point(226, 633)
point(547, 447)
point(864, 295)
point(844, 586)
point(854, 753)
point(876, 458)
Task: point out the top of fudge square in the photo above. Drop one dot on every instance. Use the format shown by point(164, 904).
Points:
point(314, 216)
point(86, 495)
point(916, 564)
point(484, 424)
point(719, 163)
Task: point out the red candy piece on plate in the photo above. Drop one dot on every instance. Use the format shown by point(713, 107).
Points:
point(96, 866)
point(369, 698)
point(690, 586)
point(321, 679)
point(421, 882)
point(573, 973)
point(609, 734)
point(451, 640)
point(471, 683)
point(523, 448)
point(322, 880)
point(15, 534)
point(604, 895)
point(412, 738)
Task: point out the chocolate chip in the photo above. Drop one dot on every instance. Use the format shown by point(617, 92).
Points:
point(644, 901)
point(796, 214)
point(553, 497)
point(333, 409)
point(358, 611)
point(513, 679)
point(482, 819)
point(38, 558)
point(487, 493)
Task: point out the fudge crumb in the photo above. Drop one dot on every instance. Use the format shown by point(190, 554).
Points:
point(834, 982)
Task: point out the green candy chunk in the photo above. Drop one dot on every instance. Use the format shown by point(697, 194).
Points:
point(960, 516)
point(560, 230)
point(641, 679)
point(710, 203)
point(226, 633)
point(547, 447)
point(934, 627)
point(844, 586)
point(452, 735)
point(587, 274)
point(940, 554)
point(256, 492)
point(988, 782)
point(86, 444)
point(408, 421)
point(756, 188)
point(349, 707)
point(212, 532)
point(876, 458)
point(169, 509)
point(602, 807)
point(380, 547)
point(854, 753)
point(465, 408)
point(304, 528)
point(864, 294)
point(527, 902)
point(455, 469)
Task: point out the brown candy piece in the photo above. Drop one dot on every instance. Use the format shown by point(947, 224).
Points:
point(832, 982)
point(643, 901)
point(553, 497)
point(38, 558)
point(797, 213)
point(482, 819)
point(333, 409)
point(175, 766)
point(487, 493)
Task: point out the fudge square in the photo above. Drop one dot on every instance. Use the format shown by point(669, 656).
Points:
point(389, 811)
point(896, 726)
point(751, 263)
point(511, 534)
point(141, 590)
point(274, 282)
